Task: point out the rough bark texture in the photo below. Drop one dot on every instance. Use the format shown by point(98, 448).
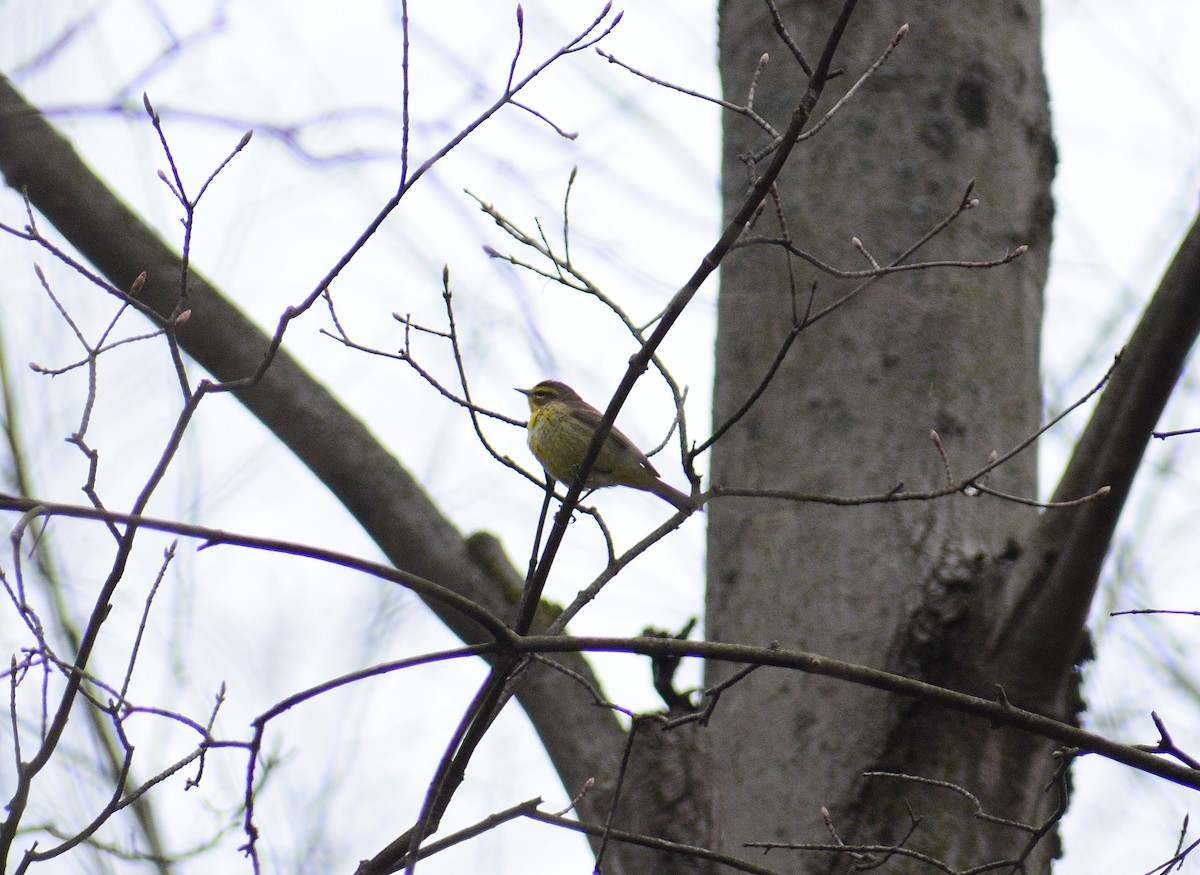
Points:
point(904, 586)
point(666, 796)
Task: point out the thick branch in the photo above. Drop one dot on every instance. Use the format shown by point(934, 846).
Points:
point(998, 712)
point(373, 486)
point(1055, 581)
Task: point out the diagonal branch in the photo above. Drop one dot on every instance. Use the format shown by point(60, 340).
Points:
point(1053, 585)
point(303, 414)
point(640, 361)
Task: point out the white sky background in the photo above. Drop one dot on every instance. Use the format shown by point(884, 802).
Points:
point(1126, 90)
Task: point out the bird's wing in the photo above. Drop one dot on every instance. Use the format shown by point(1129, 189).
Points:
point(591, 417)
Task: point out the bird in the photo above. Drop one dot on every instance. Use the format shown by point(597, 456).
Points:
point(561, 425)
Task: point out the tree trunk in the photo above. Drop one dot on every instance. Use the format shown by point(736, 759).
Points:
point(900, 586)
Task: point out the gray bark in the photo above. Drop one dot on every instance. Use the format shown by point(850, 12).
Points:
point(903, 587)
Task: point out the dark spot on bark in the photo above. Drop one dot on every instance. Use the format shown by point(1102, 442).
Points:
point(937, 132)
point(973, 96)
point(805, 720)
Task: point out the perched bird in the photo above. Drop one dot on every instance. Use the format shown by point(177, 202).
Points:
point(561, 425)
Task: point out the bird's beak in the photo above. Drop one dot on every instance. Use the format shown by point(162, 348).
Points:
point(524, 392)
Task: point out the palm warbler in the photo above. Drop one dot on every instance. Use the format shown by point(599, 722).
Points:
point(561, 425)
